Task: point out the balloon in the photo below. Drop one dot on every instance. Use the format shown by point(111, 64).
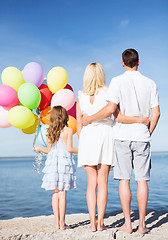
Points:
point(21, 117)
point(8, 97)
point(41, 135)
point(64, 98)
point(57, 79)
point(72, 124)
point(29, 95)
point(13, 77)
point(4, 123)
point(33, 73)
point(45, 115)
point(33, 128)
point(68, 87)
point(46, 96)
point(72, 111)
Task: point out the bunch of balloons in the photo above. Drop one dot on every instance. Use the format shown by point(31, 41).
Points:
point(26, 102)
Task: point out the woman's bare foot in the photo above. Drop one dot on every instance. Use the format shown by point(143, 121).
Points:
point(93, 228)
point(65, 227)
point(101, 228)
point(142, 230)
point(125, 228)
point(57, 227)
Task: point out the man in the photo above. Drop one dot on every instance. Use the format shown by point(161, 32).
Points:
point(136, 95)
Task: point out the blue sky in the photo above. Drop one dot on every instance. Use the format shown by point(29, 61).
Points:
point(71, 34)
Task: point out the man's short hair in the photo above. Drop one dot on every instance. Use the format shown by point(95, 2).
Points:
point(130, 57)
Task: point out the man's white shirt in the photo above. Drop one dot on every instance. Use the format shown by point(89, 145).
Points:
point(136, 95)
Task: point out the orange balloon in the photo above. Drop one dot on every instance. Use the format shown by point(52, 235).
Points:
point(45, 115)
point(72, 124)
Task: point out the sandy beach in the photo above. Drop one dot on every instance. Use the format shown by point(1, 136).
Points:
point(43, 227)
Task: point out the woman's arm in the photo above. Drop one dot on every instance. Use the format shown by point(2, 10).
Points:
point(44, 150)
point(70, 147)
point(78, 118)
point(127, 119)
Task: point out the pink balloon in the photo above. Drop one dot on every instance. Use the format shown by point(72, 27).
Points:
point(33, 73)
point(4, 123)
point(64, 98)
point(72, 111)
point(8, 97)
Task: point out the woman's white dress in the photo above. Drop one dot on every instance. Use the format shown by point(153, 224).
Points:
point(96, 142)
point(59, 171)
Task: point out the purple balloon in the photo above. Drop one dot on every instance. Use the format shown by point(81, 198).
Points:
point(33, 73)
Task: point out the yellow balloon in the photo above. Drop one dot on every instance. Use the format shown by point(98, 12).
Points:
point(32, 129)
point(72, 124)
point(13, 77)
point(57, 79)
point(21, 117)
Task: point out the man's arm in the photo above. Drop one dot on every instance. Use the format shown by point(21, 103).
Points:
point(154, 119)
point(105, 112)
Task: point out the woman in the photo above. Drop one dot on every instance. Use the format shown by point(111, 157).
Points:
point(95, 151)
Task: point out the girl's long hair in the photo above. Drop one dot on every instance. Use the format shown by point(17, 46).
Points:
point(58, 120)
point(94, 78)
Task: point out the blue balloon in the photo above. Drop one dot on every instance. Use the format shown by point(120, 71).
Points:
point(41, 135)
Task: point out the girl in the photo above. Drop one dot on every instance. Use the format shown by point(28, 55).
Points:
point(96, 141)
point(59, 170)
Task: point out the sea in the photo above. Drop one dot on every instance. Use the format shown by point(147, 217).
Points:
point(21, 194)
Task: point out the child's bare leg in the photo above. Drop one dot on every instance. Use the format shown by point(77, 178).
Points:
point(62, 208)
point(102, 194)
point(142, 198)
point(55, 207)
point(91, 172)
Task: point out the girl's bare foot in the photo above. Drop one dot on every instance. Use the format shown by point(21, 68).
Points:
point(57, 227)
point(142, 230)
point(101, 228)
point(125, 228)
point(93, 228)
point(65, 227)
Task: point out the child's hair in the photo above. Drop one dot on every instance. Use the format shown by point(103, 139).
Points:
point(58, 120)
point(94, 78)
point(130, 57)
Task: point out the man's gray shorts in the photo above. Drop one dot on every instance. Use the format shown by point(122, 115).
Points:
point(132, 155)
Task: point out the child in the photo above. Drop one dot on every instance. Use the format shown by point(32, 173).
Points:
point(59, 170)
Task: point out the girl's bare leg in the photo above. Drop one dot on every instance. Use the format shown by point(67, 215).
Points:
point(103, 172)
point(55, 207)
point(62, 208)
point(91, 172)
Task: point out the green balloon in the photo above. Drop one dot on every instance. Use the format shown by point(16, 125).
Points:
point(29, 95)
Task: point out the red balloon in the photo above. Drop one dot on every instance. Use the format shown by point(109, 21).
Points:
point(72, 111)
point(68, 87)
point(46, 96)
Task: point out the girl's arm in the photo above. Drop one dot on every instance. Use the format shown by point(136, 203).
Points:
point(70, 147)
point(126, 119)
point(78, 118)
point(44, 150)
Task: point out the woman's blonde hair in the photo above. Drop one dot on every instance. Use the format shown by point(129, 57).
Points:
point(58, 120)
point(94, 78)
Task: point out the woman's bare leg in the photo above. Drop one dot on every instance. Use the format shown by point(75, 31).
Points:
point(103, 172)
point(91, 172)
point(55, 207)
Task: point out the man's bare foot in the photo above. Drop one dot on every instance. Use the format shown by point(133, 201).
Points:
point(142, 230)
point(125, 228)
point(93, 228)
point(101, 228)
point(65, 227)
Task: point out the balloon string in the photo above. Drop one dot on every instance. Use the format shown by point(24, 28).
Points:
point(39, 156)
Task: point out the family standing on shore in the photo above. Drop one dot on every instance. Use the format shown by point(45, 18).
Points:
point(122, 143)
